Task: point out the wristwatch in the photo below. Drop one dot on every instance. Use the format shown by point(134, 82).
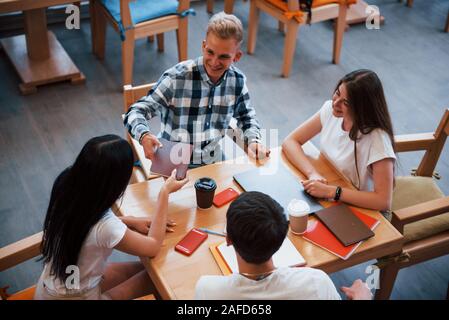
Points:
point(337, 193)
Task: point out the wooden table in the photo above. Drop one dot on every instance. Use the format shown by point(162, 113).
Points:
point(175, 275)
point(37, 56)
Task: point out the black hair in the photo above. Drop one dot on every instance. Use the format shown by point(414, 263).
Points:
point(256, 225)
point(80, 197)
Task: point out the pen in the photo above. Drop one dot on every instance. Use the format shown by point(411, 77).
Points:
point(212, 232)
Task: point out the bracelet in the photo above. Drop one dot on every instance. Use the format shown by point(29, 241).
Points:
point(142, 136)
point(337, 193)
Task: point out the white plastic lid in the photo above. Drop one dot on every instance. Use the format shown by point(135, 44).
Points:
point(298, 207)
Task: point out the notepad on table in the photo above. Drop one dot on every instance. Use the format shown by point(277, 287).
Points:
point(320, 235)
point(286, 256)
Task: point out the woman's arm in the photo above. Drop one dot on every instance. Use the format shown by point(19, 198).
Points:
point(378, 199)
point(292, 146)
point(148, 246)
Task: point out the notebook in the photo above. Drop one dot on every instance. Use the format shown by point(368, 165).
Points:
point(286, 256)
point(282, 187)
point(344, 224)
point(172, 155)
point(320, 235)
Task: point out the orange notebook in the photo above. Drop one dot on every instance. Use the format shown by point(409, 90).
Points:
point(320, 235)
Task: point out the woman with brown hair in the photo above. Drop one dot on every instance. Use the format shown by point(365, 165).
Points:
point(357, 137)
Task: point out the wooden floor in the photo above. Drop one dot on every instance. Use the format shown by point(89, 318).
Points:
point(42, 133)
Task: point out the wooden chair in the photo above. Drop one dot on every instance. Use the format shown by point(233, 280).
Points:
point(289, 15)
point(228, 6)
point(420, 209)
point(138, 19)
point(131, 95)
point(19, 252)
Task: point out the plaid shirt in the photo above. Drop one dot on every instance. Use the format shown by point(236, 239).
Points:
point(194, 110)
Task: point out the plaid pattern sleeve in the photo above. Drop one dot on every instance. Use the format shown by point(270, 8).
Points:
point(194, 110)
point(158, 98)
point(245, 115)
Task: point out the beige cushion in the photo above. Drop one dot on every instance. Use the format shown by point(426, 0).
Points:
point(414, 190)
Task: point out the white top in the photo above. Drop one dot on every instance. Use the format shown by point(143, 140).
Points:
point(283, 284)
point(95, 251)
point(339, 148)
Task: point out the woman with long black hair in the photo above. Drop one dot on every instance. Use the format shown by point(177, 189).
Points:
point(80, 230)
point(357, 137)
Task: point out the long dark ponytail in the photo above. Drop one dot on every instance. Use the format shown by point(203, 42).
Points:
point(80, 197)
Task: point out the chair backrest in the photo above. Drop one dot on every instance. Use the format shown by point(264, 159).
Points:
point(131, 95)
point(432, 143)
point(16, 253)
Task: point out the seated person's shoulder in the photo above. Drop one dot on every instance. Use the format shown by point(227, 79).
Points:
point(211, 287)
point(181, 70)
point(236, 73)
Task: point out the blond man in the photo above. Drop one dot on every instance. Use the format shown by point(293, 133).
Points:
point(196, 99)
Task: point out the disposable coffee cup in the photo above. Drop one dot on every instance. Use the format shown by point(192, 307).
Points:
point(205, 191)
point(298, 212)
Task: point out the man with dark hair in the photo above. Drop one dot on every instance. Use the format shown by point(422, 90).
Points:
point(256, 226)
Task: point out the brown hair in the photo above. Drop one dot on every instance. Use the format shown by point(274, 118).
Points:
point(367, 105)
point(226, 26)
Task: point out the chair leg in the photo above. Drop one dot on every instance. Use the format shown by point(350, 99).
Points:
point(151, 38)
point(253, 25)
point(409, 3)
point(289, 46)
point(447, 294)
point(128, 58)
point(160, 42)
point(210, 6)
point(339, 30)
point(181, 36)
point(387, 278)
point(93, 28)
point(281, 26)
point(446, 29)
point(229, 6)
point(99, 29)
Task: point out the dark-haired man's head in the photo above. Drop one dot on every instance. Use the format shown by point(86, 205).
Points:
point(256, 226)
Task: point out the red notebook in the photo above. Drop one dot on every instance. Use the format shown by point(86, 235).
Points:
point(320, 235)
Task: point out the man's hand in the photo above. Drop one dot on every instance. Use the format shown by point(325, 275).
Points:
point(358, 291)
point(257, 151)
point(150, 143)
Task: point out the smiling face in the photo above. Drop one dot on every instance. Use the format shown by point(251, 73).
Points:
point(219, 54)
point(340, 102)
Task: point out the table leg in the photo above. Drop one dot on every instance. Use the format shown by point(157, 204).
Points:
point(36, 34)
point(37, 56)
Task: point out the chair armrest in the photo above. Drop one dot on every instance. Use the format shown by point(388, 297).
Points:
point(418, 212)
point(20, 251)
point(413, 142)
